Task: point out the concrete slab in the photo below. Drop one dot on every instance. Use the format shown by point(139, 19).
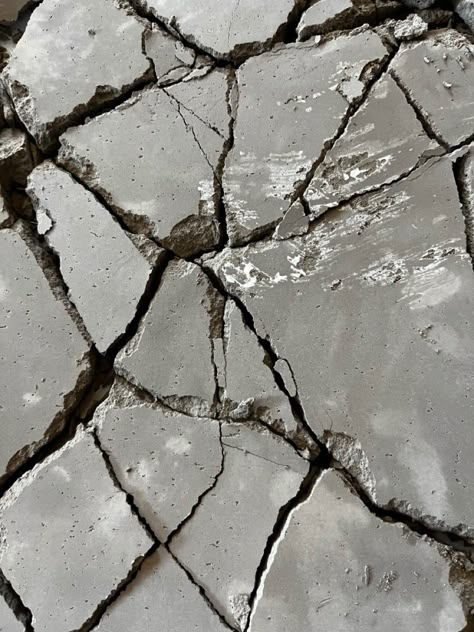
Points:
point(172, 60)
point(410, 28)
point(44, 359)
point(291, 102)
point(77, 519)
point(337, 567)
point(8, 621)
point(328, 15)
point(88, 65)
point(223, 543)
point(377, 299)
point(438, 76)
point(166, 461)
point(294, 222)
point(105, 273)
point(465, 10)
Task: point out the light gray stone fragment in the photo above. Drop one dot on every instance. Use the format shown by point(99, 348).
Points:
point(338, 567)
point(465, 10)
point(438, 75)
point(292, 101)
point(327, 15)
point(44, 359)
point(77, 519)
point(171, 59)
point(378, 301)
point(88, 65)
point(410, 28)
point(161, 594)
point(16, 158)
point(295, 222)
point(105, 273)
point(373, 150)
point(165, 460)
point(223, 543)
point(8, 621)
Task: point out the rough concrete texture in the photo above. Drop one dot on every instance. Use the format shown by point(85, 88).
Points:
point(410, 28)
point(465, 10)
point(8, 621)
point(291, 103)
point(221, 546)
point(105, 273)
point(359, 574)
point(88, 65)
point(77, 518)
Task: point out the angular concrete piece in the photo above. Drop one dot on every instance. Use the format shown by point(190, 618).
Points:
point(8, 621)
point(410, 28)
point(105, 273)
point(225, 29)
point(377, 303)
point(154, 161)
point(438, 76)
point(338, 567)
point(171, 59)
point(161, 595)
point(44, 359)
point(76, 519)
point(327, 15)
point(295, 222)
point(16, 158)
point(373, 150)
point(223, 543)
point(87, 66)
point(165, 460)
point(292, 101)
point(172, 354)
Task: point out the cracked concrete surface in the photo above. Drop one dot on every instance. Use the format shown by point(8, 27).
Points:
point(236, 295)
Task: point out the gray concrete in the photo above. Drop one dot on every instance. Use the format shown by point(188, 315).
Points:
point(354, 572)
point(291, 102)
point(88, 65)
point(172, 60)
point(465, 10)
point(44, 359)
point(410, 28)
point(223, 544)
point(8, 621)
point(77, 519)
point(294, 222)
point(105, 273)
point(325, 16)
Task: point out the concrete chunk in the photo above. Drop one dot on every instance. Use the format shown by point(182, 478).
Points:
point(88, 65)
point(171, 59)
point(223, 543)
point(465, 10)
point(104, 271)
point(328, 15)
point(337, 567)
point(44, 359)
point(410, 28)
point(8, 621)
point(77, 519)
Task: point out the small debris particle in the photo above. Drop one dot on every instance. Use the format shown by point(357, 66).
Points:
point(387, 581)
point(447, 85)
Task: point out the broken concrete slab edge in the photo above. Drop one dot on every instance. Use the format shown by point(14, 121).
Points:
point(16, 605)
point(467, 204)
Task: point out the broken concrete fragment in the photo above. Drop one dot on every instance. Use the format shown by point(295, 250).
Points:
point(77, 519)
point(163, 594)
point(16, 158)
point(154, 161)
point(292, 101)
point(465, 10)
point(294, 222)
point(467, 188)
point(373, 150)
point(88, 65)
point(105, 273)
point(437, 75)
point(223, 543)
point(410, 28)
point(418, 4)
point(378, 299)
point(44, 359)
point(171, 59)
point(327, 15)
point(165, 460)
point(354, 573)
point(8, 621)
point(172, 355)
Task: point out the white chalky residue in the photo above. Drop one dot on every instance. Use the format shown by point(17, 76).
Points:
point(31, 399)
point(178, 445)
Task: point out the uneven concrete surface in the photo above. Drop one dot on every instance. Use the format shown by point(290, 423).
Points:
point(236, 333)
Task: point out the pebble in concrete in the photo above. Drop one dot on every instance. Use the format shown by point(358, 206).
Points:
point(8, 621)
point(165, 460)
point(223, 543)
point(374, 149)
point(161, 593)
point(378, 300)
point(88, 65)
point(438, 76)
point(155, 161)
point(338, 567)
point(327, 15)
point(291, 103)
point(77, 519)
point(465, 10)
point(172, 355)
point(105, 273)
point(172, 60)
point(44, 359)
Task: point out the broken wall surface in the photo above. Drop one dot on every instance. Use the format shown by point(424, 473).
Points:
point(236, 333)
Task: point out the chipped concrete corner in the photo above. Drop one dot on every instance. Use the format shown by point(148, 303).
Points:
point(236, 333)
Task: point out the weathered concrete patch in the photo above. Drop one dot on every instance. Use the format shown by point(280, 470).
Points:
point(465, 10)
point(8, 621)
point(76, 519)
point(327, 15)
point(88, 65)
point(105, 273)
point(292, 101)
point(155, 162)
point(165, 460)
point(161, 594)
point(377, 311)
point(295, 222)
point(438, 76)
point(44, 359)
point(338, 567)
point(224, 541)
